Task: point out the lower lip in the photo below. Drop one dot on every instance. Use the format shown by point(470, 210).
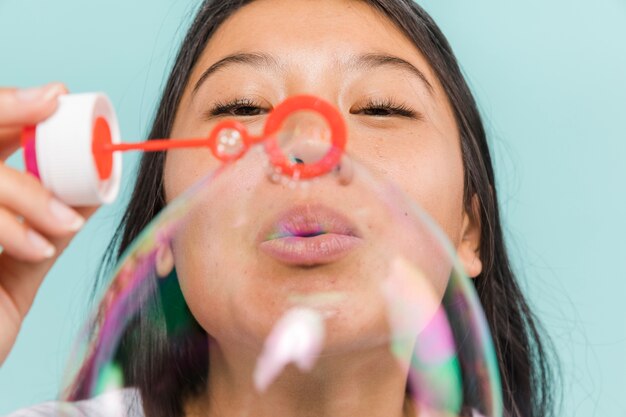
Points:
point(310, 251)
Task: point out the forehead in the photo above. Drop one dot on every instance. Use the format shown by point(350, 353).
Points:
point(298, 30)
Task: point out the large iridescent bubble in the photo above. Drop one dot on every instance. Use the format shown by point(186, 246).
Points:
point(288, 273)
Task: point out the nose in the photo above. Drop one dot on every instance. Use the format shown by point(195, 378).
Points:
point(305, 138)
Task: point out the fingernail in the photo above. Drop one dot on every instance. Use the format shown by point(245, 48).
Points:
point(66, 216)
point(45, 93)
point(40, 244)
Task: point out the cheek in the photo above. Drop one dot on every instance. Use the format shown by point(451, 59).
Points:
point(185, 167)
point(196, 253)
point(437, 184)
point(214, 264)
point(429, 171)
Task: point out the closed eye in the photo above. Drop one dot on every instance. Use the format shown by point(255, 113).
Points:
point(241, 107)
point(385, 108)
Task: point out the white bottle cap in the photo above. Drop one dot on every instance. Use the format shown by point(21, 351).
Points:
point(64, 146)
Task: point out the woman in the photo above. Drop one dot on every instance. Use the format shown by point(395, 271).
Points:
point(237, 62)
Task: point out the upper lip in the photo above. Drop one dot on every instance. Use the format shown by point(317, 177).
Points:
point(309, 220)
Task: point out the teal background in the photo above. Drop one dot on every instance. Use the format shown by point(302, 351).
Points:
point(550, 78)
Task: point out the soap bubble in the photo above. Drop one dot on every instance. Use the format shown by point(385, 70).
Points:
point(292, 275)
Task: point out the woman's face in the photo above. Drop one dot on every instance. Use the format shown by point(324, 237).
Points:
point(401, 127)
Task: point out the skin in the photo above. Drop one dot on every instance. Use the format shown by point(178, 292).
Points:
point(236, 295)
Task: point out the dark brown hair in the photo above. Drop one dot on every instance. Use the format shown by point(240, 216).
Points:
point(167, 371)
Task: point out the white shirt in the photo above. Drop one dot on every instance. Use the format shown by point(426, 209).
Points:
point(124, 403)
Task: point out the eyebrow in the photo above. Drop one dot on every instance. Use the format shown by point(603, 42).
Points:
point(253, 59)
point(372, 61)
point(369, 61)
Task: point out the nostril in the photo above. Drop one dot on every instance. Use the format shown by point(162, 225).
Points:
point(306, 152)
point(344, 171)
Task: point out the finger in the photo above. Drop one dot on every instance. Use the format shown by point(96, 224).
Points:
point(21, 278)
point(28, 106)
point(22, 242)
point(9, 141)
point(22, 194)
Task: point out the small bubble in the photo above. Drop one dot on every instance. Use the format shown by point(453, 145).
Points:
point(229, 142)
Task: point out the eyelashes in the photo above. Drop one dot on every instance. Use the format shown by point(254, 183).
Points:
point(240, 107)
point(379, 108)
point(386, 108)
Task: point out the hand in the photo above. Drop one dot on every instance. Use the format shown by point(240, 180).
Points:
point(35, 227)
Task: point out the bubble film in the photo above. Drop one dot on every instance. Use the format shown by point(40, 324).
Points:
point(287, 276)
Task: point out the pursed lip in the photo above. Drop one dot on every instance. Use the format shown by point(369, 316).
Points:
point(309, 235)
